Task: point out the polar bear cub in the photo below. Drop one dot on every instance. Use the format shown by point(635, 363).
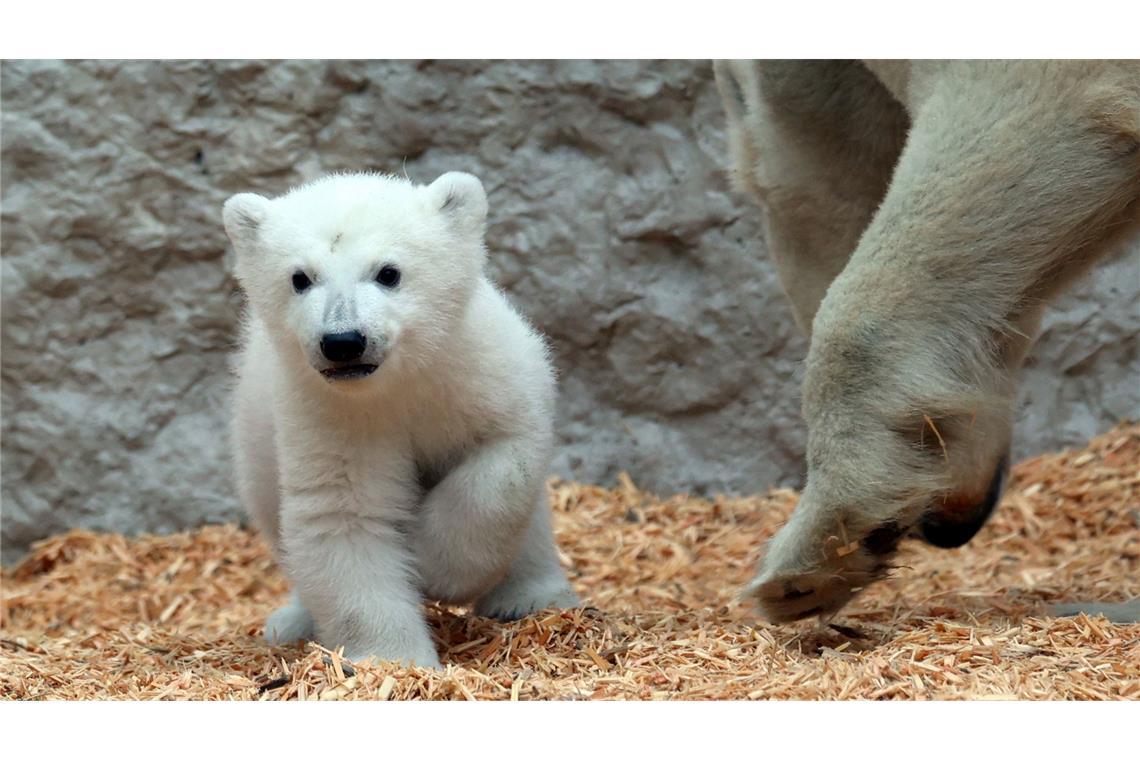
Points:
point(393, 413)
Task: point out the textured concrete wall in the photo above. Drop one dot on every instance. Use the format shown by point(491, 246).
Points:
point(611, 226)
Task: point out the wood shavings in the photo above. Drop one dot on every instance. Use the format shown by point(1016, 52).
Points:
point(101, 616)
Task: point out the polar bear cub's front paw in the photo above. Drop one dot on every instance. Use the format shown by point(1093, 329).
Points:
point(516, 598)
point(420, 655)
point(289, 624)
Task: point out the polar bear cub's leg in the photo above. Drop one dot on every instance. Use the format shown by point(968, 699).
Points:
point(357, 579)
point(536, 579)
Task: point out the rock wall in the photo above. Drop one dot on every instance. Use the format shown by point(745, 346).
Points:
point(611, 226)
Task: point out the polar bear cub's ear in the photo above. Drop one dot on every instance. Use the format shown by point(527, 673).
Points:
point(461, 197)
point(243, 215)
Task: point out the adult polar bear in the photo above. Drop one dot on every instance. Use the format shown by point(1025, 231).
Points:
point(920, 216)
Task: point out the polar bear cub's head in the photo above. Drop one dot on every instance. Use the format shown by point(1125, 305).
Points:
point(355, 272)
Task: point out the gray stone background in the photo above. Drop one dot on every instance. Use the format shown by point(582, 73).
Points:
point(611, 225)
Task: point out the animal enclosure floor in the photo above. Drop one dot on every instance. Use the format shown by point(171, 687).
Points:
point(96, 616)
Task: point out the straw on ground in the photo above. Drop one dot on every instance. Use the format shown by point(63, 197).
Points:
point(178, 617)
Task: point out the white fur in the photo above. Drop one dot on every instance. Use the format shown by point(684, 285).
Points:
point(423, 479)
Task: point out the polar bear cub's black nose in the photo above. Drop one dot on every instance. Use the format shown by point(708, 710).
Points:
point(343, 346)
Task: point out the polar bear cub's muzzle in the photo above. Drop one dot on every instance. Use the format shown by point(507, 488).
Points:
point(346, 328)
point(346, 353)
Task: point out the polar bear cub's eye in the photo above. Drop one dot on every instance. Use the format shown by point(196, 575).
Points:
point(388, 276)
point(301, 281)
